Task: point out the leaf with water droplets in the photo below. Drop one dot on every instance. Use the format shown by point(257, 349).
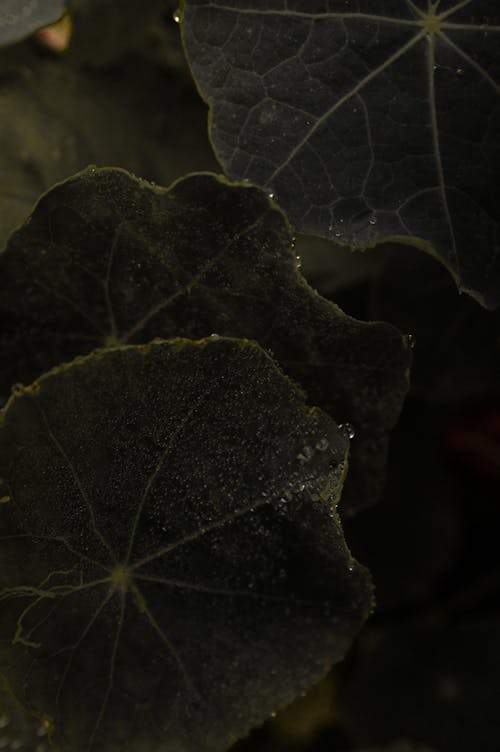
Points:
point(106, 258)
point(20, 18)
point(171, 572)
point(107, 276)
point(371, 120)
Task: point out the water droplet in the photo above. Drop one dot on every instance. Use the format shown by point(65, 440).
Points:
point(42, 729)
point(292, 243)
point(306, 454)
point(347, 430)
point(460, 71)
point(412, 340)
point(373, 220)
point(177, 15)
point(214, 335)
point(299, 261)
point(322, 444)
point(271, 194)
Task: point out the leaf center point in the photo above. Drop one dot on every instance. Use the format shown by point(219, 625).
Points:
point(120, 578)
point(431, 22)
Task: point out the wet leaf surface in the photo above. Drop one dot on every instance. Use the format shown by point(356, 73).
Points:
point(108, 259)
point(173, 567)
point(369, 120)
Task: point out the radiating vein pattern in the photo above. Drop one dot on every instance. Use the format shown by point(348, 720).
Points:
point(199, 484)
point(391, 166)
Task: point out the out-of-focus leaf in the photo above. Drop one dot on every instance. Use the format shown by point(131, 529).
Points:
point(20, 18)
point(173, 567)
point(454, 362)
point(59, 115)
point(106, 30)
point(106, 259)
point(369, 119)
point(390, 539)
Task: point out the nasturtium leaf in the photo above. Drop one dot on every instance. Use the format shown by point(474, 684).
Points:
point(173, 567)
point(20, 18)
point(369, 119)
point(108, 259)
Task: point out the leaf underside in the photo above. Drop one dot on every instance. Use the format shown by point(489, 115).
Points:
point(173, 568)
point(107, 259)
point(369, 120)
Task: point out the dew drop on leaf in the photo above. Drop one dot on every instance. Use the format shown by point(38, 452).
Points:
point(306, 454)
point(347, 430)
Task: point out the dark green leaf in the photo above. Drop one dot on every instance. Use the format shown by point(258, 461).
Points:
point(108, 259)
point(173, 567)
point(369, 120)
point(20, 18)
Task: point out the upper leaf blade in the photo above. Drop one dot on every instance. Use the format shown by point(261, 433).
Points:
point(369, 120)
point(173, 570)
point(107, 259)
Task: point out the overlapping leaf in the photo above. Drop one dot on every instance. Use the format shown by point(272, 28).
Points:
point(108, 259)
point(173, 568)
point(20, 18)
point(369, 119)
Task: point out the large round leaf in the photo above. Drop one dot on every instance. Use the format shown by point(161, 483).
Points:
point(108, 259)
point(172, 564)
point(369, 119)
